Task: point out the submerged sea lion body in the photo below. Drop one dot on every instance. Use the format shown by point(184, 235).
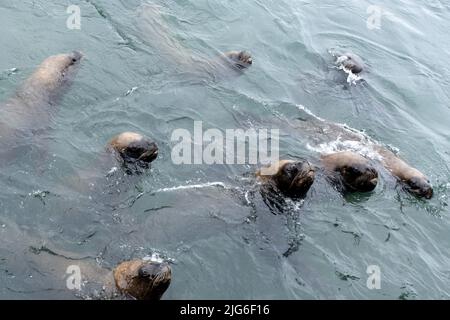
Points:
point(40, 90)
point(31, 107)
point(155, 32)
point(414, 181)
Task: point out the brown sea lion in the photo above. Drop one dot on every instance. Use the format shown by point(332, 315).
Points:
point(155, 32)
point(291, 178)
point(133, 148)
point(239, 59)
point(137, 279)
point(319, 131)
point(49, 267)
point(143, 280)
point(350, 171)
point(31, 107)
point(414, 181)
point(351, 61)
point(128, 152)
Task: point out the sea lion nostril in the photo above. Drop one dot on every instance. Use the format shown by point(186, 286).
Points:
point(77, 55)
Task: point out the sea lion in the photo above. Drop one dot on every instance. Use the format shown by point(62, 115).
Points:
point(48, 267)
point(155, 32)
point(413, 180)
point(240, 60)
point(351, 62)
point(31, 107)
point(318, 130)
point(143, 280)
point(291, 178)
point(133, 148)
point(126, 156)
point(350, 172)
point(138, 279)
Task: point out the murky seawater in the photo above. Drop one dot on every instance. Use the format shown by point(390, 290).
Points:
point(210, 221)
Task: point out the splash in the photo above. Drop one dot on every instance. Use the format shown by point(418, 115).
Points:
point(129, 92)
point(9, 72)
point(351, 77)
point(364, 146)
point(340, 59)
point(112, 171)
point(155, 257)
point(339, 145)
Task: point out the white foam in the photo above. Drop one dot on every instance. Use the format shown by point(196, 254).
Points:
point(113, 170)
point(339, 145)
point(295, 205)
point(194, 186)
point(131, 91)
point(155, 257)
point(351, 77)
point(305, 109)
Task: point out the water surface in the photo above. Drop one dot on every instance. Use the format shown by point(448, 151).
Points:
point(221, 238)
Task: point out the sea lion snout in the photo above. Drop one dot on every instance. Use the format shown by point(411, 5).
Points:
point(144, 150)
point(76, 56)
point(156, 278)
point(152, 270)
point(420, 187)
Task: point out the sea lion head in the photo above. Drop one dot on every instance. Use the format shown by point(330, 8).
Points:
point(134, 148)
point(63, 61)
point(420, 186)
point(54, 72)
point(352, 62)
point(294, 178)
point(57, 67)
point(359, 176)
point(352, 171)
point(240, 59)
point(142, 279)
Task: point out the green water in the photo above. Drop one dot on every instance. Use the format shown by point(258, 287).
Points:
point(222, 240)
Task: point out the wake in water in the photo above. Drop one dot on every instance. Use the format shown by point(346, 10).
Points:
point(340, 145)
point(194, 186)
